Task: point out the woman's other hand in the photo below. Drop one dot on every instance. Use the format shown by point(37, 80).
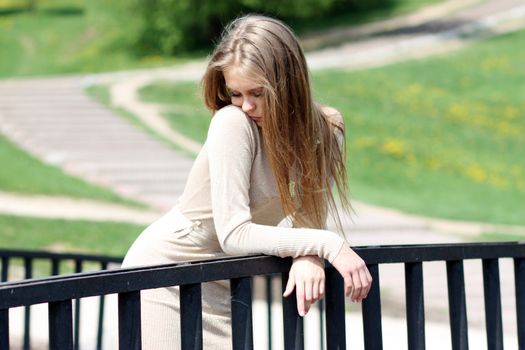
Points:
point(357, 278)
point(307, 277)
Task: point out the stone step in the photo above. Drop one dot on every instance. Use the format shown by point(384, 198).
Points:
point(54, 120)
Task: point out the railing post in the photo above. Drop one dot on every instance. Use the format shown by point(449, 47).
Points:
point(415, 305)
point(129, 321)
point(372, 313)
point(269, 302)
point(4, 329)
point(519, 280)
point(335, 311)
point(60, 325)
point(457, 307)
point(28, 266)
point(241, 305)
point(78, 268)
point(293, 323)
point(100, 327)
point(492, 304)
point(5, 269)
point(191, 316)
point(55, 267)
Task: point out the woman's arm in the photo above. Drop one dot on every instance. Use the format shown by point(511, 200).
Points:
point(231, 148)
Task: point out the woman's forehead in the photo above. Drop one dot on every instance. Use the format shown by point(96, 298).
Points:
point(240, 79)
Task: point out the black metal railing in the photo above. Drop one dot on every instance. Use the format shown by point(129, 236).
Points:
point(70, 263)
point(60, 292)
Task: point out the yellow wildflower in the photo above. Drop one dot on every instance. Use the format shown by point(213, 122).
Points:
point(476, 173)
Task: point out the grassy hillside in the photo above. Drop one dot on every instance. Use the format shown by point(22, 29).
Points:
point(443, 136)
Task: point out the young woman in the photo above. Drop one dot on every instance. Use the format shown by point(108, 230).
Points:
point(271, 154)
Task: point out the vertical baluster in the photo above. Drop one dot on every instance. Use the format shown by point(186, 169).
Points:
point(129, 321)
point(28, 266)
point(78, 268)
point(55, 266)
point(457, 306)
point(519, 280)
point(335, 310)
point(293, 323)
point(4, 329)
point(492, 304)
point(100, 327)
point(60, 325)
point(191, 316)
point(241, 305)
point(372, 313)
point(269, 302)
point(415, 305)
point(5, 269)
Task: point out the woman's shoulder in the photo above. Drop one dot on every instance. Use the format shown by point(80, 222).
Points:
point(230, 113)
point(332, 115)
point(231, 123)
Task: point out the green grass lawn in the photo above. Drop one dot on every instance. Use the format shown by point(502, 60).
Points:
point(90, 237)
point(64, 236)
point(186, 110)
point(66, 37)
point(442, 137)
point(22, 173)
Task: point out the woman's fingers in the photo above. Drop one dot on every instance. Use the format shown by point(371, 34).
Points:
point(290, 285)
point(357, 287)
point(303, 302)
point(357, 278)
point(321, 289)
point(307, 278)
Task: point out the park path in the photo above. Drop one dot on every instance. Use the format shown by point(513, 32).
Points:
point(53, 119)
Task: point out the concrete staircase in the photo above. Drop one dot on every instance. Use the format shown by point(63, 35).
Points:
point(56, 121)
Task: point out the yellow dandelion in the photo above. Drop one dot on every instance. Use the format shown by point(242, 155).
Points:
point(394, 147)
point(476, 173)
point(498, 181)
point(510, 112)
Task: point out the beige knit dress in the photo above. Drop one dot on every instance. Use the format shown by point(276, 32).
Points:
point(230, 206)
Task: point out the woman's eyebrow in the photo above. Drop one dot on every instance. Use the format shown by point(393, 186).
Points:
point(250, 91)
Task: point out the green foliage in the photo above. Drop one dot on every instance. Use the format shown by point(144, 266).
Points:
point(107, 238)
point(168, 27)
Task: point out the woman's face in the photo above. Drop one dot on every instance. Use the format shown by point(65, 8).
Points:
point(245, 93)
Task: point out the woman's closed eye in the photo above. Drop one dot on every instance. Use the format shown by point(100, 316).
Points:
point(255, 93)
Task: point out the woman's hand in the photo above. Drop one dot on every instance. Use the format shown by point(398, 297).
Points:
point(307, 277)
point(357, 278)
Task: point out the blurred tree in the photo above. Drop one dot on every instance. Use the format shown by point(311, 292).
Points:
point(168, 27)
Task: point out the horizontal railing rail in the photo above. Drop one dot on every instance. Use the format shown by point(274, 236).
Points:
point(59, 292)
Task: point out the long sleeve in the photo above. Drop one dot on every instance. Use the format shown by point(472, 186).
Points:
point(231, 147)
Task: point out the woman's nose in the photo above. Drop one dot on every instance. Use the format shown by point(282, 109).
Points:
point(247, 105)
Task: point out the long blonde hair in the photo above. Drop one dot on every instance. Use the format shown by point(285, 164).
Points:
point(301, 140)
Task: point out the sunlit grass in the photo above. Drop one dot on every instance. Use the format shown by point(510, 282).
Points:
point(442, 136)
point(90, 237)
